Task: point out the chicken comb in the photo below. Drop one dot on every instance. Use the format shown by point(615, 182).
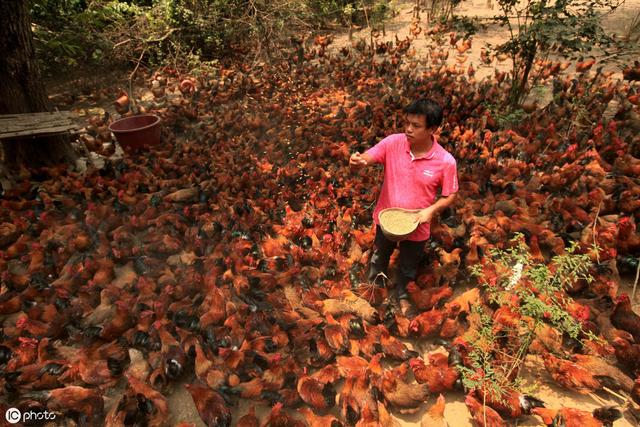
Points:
point(21, 322)
point(28, 342)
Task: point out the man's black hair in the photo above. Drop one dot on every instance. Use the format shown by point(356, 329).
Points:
point(430, 109)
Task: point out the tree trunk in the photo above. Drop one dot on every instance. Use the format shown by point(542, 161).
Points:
point(22, 91)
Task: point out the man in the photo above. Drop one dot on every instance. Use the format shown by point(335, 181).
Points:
point(415, 167)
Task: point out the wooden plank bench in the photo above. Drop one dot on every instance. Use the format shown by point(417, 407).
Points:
point(36, 124)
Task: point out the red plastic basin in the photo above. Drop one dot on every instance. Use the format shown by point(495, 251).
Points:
point(137, 132)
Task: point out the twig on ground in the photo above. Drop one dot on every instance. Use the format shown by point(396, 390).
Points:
point(595, 223)
point(635, 282)
point(598, 399)
point(619, 396)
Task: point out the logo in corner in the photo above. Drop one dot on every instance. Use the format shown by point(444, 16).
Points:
point(13, 415)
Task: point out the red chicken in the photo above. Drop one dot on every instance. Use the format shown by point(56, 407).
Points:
point(427, 323)
point(570, 374)
point(86, 402)
point(211, 406)
point(571, 417)
point(483, 416)
point(426, 299)
point(511, 404)
point(438, 375)
point(623, 317)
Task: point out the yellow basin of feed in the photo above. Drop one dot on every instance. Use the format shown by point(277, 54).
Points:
point(397, 221)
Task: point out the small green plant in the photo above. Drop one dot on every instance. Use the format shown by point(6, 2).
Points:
point(506, 118)
point(530, 295)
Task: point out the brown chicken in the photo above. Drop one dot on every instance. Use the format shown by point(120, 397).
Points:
point(404, 396)
point(483, 416)
point(393, 347)
point(571, 417)
point(174, 359)
point(511, 404)
point(249, 419)
point(211, 406)
point(623, 317)
point(606, 373)
point(426, 299)
point(570, 374)
point(86, 402)
point(316, 394)
point(356, 398)
point(278, 417)
point(141, 403)
point(438, 375)
point(427, 323)
point(314, 420)
point(336, 336)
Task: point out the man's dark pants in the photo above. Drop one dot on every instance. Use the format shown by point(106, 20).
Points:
point(411, 253)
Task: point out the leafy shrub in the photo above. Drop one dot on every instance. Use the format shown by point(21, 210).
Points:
point(69, 32)
point(535, 294)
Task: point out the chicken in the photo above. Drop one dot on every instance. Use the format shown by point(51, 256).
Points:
point(512, 404)
point(571, 417)
point(570, 374)
point(336, 336)
point(426, 299)
point(356, 399)
point(605, 372)
point(210, 404)
point(109, 322)
point(434, 417)
point(316, 394)
point(141, 403)
point(438, 375)
point(314, 420)
point(632, 73)
point(609, 332)
point(249, 419)
point(483, 416)
point(174, 358)
point(427, 323)
point(349, 303)
point(404, 396)
point(628, 354)
point(278, 418)
point(464, 301)
point(393, 347)
point(86, 403)
point(623, 317)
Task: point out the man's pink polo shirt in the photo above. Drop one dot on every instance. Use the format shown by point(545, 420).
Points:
point(412, 183)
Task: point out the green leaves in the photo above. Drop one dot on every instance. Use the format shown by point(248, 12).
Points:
point(534, 295)
point(539, 27)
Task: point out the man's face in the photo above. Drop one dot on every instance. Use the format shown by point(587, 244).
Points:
point(416, 129)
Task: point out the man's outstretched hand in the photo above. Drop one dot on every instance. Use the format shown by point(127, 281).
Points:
point(357, 160)
point(424, 216)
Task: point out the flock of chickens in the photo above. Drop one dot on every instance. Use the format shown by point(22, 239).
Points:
point(230, 258)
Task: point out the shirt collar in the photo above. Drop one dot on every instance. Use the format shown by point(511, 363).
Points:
point(428, 155)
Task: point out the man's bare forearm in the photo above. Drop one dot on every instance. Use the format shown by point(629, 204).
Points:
point(426, 215)
point(443, 203)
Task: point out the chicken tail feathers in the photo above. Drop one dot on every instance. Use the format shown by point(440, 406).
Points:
point(527, 403)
